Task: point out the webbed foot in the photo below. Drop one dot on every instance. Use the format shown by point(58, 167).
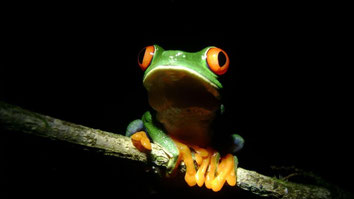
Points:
point(211, 171)
point(219, 173)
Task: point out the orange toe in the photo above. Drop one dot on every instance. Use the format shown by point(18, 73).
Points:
point(141, 141)
point(231, 179)
point(203, 164)
point(186, 156)
point(210, 176)
point(223, 172)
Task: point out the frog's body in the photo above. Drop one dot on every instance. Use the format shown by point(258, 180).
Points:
point(183, 89)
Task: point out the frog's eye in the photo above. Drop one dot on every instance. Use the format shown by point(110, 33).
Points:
point(217, 60)
point(145, 57)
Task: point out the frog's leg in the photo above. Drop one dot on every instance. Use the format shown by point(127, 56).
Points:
point(159, 137)
point(133, 127)
point(176, 149)
point(237, 143)
point(138, 130)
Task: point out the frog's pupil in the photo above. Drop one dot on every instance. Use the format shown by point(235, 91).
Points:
point(221, 58)
point(141, 55)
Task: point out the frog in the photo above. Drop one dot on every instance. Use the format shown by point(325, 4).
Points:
point(184, 93)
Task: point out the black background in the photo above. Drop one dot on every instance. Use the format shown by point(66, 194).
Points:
point(285, 91)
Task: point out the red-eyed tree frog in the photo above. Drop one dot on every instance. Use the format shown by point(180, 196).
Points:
point(184, 93)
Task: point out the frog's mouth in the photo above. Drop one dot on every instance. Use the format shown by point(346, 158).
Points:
point(180, 87)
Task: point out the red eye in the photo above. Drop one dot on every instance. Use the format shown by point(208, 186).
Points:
point(217, 60)
point(145, 57)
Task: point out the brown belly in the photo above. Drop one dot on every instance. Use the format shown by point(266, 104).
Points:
point(190, 125)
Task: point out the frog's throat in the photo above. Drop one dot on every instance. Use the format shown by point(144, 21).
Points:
point(210, 86)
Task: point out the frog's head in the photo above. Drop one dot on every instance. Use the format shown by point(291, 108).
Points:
point(177, 78)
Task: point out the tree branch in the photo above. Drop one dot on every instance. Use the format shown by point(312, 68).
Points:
point(16, 119)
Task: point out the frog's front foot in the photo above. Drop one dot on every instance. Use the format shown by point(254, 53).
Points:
point(141, 141)
point(211, 170)
point(138, 136)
